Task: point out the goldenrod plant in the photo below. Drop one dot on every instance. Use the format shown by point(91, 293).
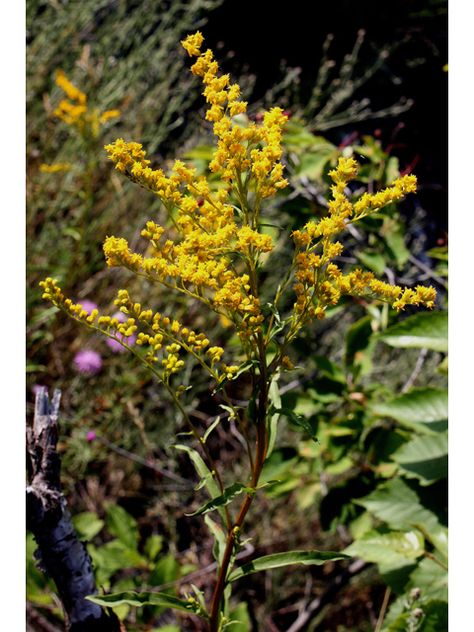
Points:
point(214, 249)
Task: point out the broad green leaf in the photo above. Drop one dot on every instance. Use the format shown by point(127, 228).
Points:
point(144, 599)
point(87, 525)
point(204, 473)
point(272, 422)
point(372, 260)
point(357, 340)
point(165, 570)
point(329, 369)
point(431, 578)
point(424, 458)
point(223, 499)
point(436, 616)
point(389, 550)
point(167, 628)
point(277, 560)
point(428, 330)
point(398, 505)
point(114, 556)
point(153, 546)
point(399, 625)
point(423, 409)
point(122, 525)
point(394, 237)
point(312, 164)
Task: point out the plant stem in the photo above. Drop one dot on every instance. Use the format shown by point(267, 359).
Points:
point(260, 454)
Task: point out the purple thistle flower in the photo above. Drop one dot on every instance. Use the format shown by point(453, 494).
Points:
point(88, 362)
point(88, 306)
point(91, 435)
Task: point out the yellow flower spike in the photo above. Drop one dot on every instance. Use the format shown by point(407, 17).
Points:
point(69, 88)
point(107, 115)
point(192, 44)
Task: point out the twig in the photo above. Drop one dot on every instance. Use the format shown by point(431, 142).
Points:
point(35, 622)
point(141, 461)
point(416, 371)
point(419, 264)
point(312, 609)
point(383, 609)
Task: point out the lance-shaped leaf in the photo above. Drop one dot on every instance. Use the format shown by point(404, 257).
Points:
point(204, 473)
point(131, 598)
point(421, 331)
point(273, 416)
point(219, 538)
point(277, 560)
point(223, 499)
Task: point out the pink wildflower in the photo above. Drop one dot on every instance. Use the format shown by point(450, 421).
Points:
point(88, 362)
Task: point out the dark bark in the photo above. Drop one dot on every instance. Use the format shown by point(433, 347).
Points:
point(60, 553)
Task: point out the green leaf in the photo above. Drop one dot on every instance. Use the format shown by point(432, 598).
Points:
point(400, 624)
point(424, 458)
point(153, 546)
point(204, 473)
point(219, 538)
point(87, 525)
point(166, 570)
point(114, 556)
point(214, 424)
point(223, 499)
point(372, 260)
point(431, 578)
point(436, 616)
point(357, 339)
point(277, 560)
point(122, 525)
point(273, 417)
point(239, 619)
point(313, 163)
point(428, 330)
point(398, 505)
point(389, 550)
point(394, 237)
point(144, 599)
point(423, 409)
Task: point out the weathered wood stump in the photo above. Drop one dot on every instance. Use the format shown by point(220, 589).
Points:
point(60, 554)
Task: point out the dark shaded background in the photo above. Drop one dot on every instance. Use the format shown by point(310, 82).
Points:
point(263, 33)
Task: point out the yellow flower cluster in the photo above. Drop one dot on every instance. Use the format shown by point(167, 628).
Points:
point(74, 110)
point(254, 148)
point(157, 333)
point(318, 280)
point(200, 259)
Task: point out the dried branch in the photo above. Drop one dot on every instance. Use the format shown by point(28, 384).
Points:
point(60, 553)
